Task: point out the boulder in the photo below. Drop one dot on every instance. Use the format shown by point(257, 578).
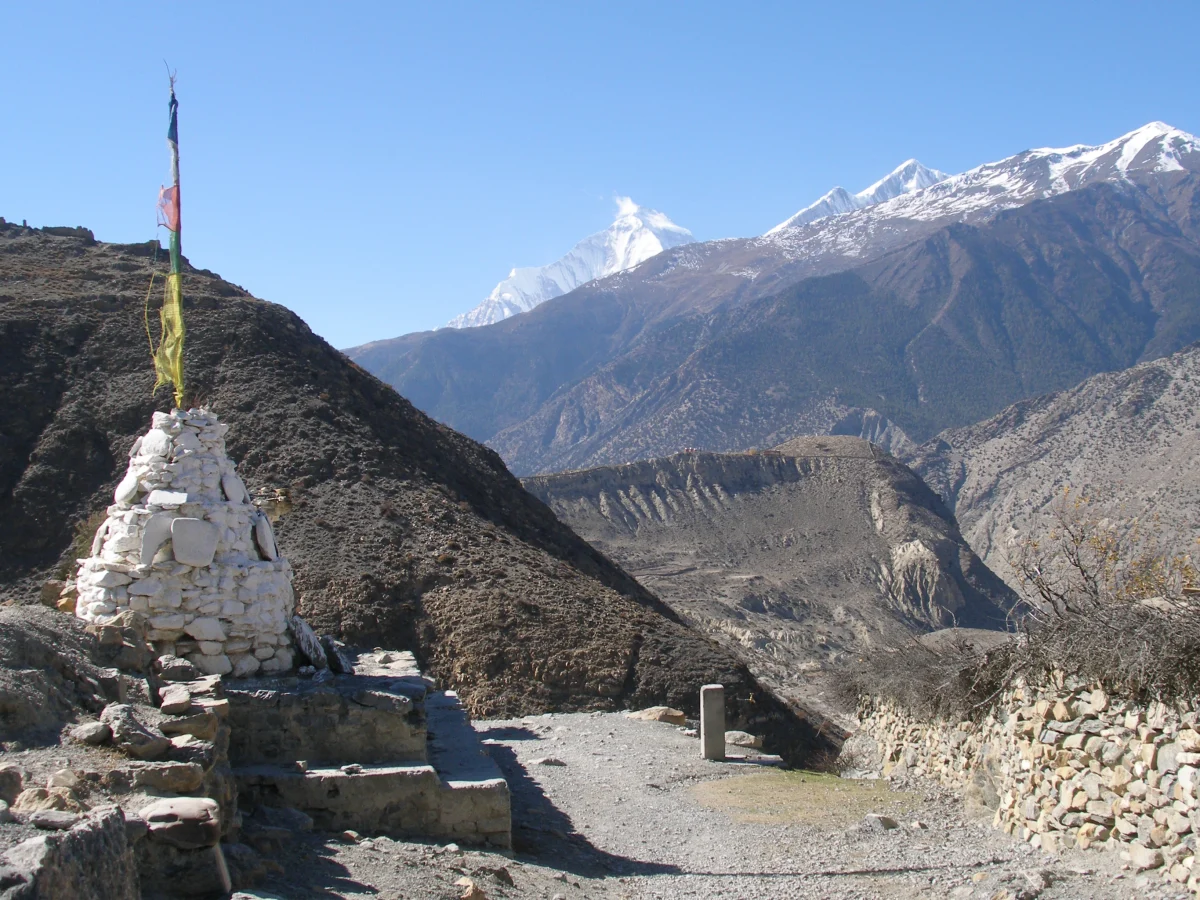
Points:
point(743, 739)
point(188, 823)
point(659, 714)
point(1142, 858)
point(91, 860)
point(308, 643)
point(131, 735)
point(12, 782)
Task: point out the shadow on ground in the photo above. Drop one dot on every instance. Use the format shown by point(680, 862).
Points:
point(544, 832)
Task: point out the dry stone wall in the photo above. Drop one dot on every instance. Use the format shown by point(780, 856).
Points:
point(184, 545)
point(1064, 765)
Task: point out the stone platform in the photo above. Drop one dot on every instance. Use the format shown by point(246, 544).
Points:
point(377, 751)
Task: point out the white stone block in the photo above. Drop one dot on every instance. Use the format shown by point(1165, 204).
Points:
point(154, 535)
point(211, 648)
point(168, 622)
point(155, 443)
point(167, 498)
point(264, 652)
point(264, 537)
point(139, 602)
point(232, 608)
point(194, 541)
point(245, 666)
point(211, 665)
point(232, 487)
point(206, 629)
point(127, 489)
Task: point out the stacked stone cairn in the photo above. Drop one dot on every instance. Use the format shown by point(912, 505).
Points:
point(1063, 765)
point(184, 545)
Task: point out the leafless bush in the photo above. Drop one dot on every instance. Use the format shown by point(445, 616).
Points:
point(1107, 601)
point(1103, 600)
point(957, 678)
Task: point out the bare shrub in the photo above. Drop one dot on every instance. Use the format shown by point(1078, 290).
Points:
point(1107, 601)
point(1103, 599)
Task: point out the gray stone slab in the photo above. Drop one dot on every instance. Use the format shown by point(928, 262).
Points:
point(194, 541)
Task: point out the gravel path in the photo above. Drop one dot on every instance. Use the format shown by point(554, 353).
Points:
point(633, 812)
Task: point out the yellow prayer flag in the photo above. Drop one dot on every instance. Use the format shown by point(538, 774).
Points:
point(168, 358)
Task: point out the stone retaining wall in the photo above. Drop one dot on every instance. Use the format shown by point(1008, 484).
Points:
point(1063, 766)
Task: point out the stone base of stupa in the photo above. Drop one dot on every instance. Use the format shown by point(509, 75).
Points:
point(184, 546)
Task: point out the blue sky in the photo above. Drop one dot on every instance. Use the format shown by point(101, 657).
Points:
point(379, 167)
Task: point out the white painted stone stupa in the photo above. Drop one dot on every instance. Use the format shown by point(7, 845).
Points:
point(183, 545)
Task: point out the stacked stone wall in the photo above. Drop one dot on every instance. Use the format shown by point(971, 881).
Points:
point(1064, 766)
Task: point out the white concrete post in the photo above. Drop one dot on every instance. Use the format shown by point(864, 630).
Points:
point(712, 721)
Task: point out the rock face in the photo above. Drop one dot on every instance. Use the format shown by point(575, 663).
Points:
point(183, 544)
point(1132, 437)
point(795, 556)
point(91, 860)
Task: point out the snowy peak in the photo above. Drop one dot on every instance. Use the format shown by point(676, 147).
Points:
point(635, 235)
point(909, 176)
point(1149, 158)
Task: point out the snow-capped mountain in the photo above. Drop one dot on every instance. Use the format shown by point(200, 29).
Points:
point(907, 177)
point(636, 235)
point(1140, 158)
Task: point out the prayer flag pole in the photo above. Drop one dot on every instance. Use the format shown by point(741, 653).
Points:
point(168, 358)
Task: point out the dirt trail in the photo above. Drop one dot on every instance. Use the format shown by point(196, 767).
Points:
point(634, 813)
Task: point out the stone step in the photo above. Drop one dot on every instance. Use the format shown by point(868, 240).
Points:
point(386, 799)
point(382, 754)
point(372, 718)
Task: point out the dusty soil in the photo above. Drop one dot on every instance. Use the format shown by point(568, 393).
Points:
point(635, 813)
point(402, 532)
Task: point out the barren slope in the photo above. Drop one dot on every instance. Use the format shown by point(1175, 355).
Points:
point(1129, 437)
point(403, 533)
point(795, 557)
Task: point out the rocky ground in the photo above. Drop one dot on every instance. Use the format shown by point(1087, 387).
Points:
point(606, 807)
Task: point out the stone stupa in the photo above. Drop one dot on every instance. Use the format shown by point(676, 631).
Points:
point(184, 545)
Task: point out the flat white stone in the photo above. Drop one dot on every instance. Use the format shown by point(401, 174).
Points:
point(194, 541)
point(154, 535)
point(155, 443)
point(264, 537)
point(206, 629)
point(167, 622)
point(211, 648)
point(127, 489)
point(211, 665)
point(166, 498)
point(98, 540)
point(232, 487)
point(246, 666)
point(187, 440)
point(110, 579)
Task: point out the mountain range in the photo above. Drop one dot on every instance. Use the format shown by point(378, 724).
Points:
point(634, 236)
point(936, 309)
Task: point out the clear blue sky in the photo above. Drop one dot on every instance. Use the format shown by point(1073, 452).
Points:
point(378, 168)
